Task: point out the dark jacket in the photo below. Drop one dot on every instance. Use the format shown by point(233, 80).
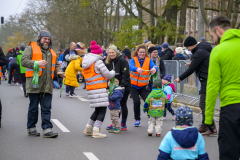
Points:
point(3, 60)
point(199, 64)
point(159, 50)
point(168, 54)
point(115, 99)
point(104, 54)
point(179, 57)
point(67, 51)
point(127, 52)
point(120, 65)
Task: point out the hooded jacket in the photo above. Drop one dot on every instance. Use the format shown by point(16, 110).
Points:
point(22, 69)
point(127, 53)
point(97, 97)
point(224, 75)
point(167, 54)
point(72, 70)
point(183, 143)
point(199, 64)
point(3, 60)
point(115, 99)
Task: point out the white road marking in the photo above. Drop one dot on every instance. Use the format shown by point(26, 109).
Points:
point(60, 125)
point(90, 156)
point(82, 99)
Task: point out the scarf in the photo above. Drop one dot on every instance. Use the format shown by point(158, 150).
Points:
point(34, 83)
point(157, 63)
point(141, 61)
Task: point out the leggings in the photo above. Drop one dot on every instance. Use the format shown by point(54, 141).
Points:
point(71, 90)
point(99, 114)
point(124, 108)
point(169, 108)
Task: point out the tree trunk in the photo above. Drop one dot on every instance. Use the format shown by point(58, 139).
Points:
point(201, 29)
point(201, 4)
point(229, 9)
point(140, 15)
point(235, 13)
point(222, 8)
point(117, 15)
point(152, 21)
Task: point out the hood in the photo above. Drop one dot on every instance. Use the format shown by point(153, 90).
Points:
point(156, 92)
point(122, 89)
point(89, 59)
point(230, 34)
point(172, 86)
point(180, 55)
point(185, 137)
point(203, 45)
point(73, 57)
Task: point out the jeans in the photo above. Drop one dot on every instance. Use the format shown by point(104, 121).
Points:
point(67, 88)
point(45, 100)
point(55, 84)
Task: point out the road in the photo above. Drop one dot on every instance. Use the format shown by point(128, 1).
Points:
point(73, 114)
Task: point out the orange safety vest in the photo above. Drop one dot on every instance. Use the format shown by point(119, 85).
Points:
point(138, 79)
point(92, 79)
point(0, 72)
point(37, 56)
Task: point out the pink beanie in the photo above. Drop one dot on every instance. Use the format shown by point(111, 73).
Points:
point(95, 49)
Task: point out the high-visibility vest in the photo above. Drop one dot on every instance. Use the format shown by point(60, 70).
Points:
point(138, 79)
point(92, 79)
point(0, 72)
point(37, 56)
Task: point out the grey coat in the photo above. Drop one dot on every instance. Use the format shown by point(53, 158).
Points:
point(97, 97)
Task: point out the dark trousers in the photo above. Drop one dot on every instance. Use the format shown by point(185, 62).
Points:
point(23, 79)
point(71, 90)
point(169, 108)
point(150, 86)
point(45, 100)
point(123, 104)
point(143, 92)
point(67, 88)
point(229, 132)
point(12, 67)
point(202, 106)
point(99, 114)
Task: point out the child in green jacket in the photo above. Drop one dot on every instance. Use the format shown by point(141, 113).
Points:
point(155, 106)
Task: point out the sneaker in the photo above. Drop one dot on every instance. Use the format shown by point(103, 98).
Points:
point(158, 135)
point(75, 95)
point(117, 131)
point(67, 94)
point(50, 135)
point(109, 127)
point(34, 133)
point(137, 123)
point(173, 118)
point(164, 118)
point(9, 84)
point(150, 134)
point(123, 127)
point(111, 130)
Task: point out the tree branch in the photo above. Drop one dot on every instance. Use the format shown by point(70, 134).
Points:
point(206, 8)
point(146, 9)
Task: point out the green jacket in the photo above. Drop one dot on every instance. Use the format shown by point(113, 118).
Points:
point(45, 81)
point(156, 93)
point(224, 73)
point(23, 69)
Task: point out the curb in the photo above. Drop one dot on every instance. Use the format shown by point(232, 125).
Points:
point(195, 109)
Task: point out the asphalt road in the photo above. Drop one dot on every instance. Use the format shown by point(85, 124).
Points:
point(71, 144)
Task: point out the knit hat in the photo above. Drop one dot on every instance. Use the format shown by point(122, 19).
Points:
point(22, 47)
point(165, 45)
point(202, 39)
point(89, 50)
point(10, 50)
point(184, 116)
point(157, 83)
point(179, 49)
point(44, 33)
point(95, 49)
point(17, 49)
point(151, 49)
point(168, 78)
point(190, 41)
point(114, 48)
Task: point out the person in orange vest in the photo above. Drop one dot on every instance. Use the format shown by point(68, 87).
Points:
point(96, 74)
point(41, 66)
point(140, 67)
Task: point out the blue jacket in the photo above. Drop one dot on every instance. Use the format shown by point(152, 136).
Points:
point(114, 100)
point(159, 49)
point(168, 92)
point(60, 57)
point(182, 144)
point(134, 69)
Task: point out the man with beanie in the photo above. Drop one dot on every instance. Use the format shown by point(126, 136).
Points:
point(154, 106)
point(199, 65)
point(41, 66)
point(202, 39)
point(167, 53)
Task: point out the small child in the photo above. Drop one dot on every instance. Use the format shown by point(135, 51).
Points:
point(115, 108)
point(183, 141)
point(55, 82)
point(168, 89)
point(155, 106)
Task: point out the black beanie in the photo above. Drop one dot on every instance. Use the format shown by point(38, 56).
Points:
point(190, 41)
point(151, 49)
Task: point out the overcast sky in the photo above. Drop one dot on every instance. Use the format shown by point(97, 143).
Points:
point(11, 7)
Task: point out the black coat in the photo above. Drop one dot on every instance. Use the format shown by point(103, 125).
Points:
point(127, 52)
point(168, 54)
point(3, 60)
point(120, 65)
point(199, 64)
point(67, 51)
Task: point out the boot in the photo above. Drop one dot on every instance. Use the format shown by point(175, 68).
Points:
point(97, 133)
point(89, 130)
point(84, 86)
point(202, 128)
point(208, 132)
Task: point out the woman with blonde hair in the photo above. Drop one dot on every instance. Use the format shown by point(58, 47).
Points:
point(140, 66)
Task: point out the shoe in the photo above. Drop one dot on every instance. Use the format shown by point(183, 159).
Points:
point(137, 123)
point(97, 133)
point(123, 127)
point(50, 135)
point(111, 130)
point(75, 95)
point(89, 130)
point(9, 84)
point(173, 118)
point(2, 79)
point(109, 127)
point(117, 131)
point(84, 87)
point(209, 133)
point(150, 134)
point(34, 133)
point(67, 94)
point(164, 118)
point(158, 135)
point(71, 96)
point(202, 129)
